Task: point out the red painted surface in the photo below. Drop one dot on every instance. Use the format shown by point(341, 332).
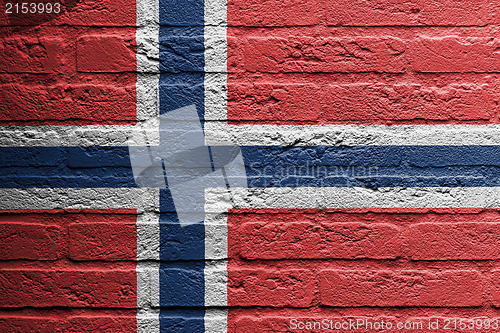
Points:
point(362, 62)
point(75, 259)
point(84, 75)
point(397, 264)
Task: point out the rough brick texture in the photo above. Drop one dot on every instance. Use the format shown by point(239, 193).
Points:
point(305, 240)
point(264, 287)
point(362, 62)
point(406, 288)
point(409, 13)
point(360, 262)
point(78, 69)
point(322, 55)
point(363, 103)
point(299, 62)
point(46, 262)
point(69, 288)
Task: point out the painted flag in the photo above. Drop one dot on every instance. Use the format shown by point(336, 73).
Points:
point(369, 134)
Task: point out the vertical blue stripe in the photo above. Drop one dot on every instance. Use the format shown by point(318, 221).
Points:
point(182, 248)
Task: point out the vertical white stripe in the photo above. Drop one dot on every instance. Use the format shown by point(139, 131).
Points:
point(215, 272)
point(148, 77)
point(148, 256)
point(216, 110)
point(148, 106)
point(216, 283)
point(216, 321)
point(216, 237)
point(216, 60)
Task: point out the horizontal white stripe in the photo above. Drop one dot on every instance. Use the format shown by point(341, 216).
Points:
point(92, 135)
point(217, 200)
point(219, 133)
point(142, 199)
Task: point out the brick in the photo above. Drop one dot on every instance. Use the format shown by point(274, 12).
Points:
point(296, 322)
point(265, 287)
point(176, 283)
point(68, 104)
point(408, 13)
point(182, 54)
point(453, 54)
point(62, 323)
point(78, 13)
point(404, 288)
point(117, 13)
point(361, 103)
point(32, 55)
point(69, 288)
point(33, 157)
point(31, 241)
point(103, 241)
point(112, 54)
point(459, 155)
point(454, 241)
point(102, 324)
point(322, 54)
point(409, 103)
point(305, 240)
point(274, 102)
point(31, 324)
point(92, 157)
point(181, 13)
point(273, 13)
point(495, 281)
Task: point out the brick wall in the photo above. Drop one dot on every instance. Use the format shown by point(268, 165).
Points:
point(71, 268)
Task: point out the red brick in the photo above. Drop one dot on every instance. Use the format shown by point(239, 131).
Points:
point(68, 104)
point(323, 54)
point(102, 324)
point(408, 13)
point(117, 13)
point(78, 13)
point(32, 55)
point(454, 54)
point(31, 324)
point(101, 53)
point(31, 241)
point(257, 13)
point(409, 103)
point(68, 324)
point(403, 288)
point(69, 288)
point(103, 241)
point(450, 241)
point(361, 103)
point(264, 287)
point(294, 322)
point(274, 102)
point(305, 240)
point(495, 280)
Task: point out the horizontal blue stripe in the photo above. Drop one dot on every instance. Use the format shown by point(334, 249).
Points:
point(370, 166)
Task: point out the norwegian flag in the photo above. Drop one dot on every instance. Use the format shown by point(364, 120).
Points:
point(365, 154)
